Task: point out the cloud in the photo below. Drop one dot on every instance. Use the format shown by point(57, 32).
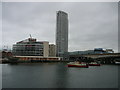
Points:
point(91, 24)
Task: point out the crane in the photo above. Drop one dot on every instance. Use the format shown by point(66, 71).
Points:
point(30, 36)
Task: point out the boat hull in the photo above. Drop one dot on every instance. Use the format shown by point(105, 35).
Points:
point(82, 66)
point(94, 64)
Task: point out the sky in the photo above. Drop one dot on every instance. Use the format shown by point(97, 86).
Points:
point(91, 24)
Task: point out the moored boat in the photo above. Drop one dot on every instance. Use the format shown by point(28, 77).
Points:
point(77, 64)
point(94, 64)
point(117, 62)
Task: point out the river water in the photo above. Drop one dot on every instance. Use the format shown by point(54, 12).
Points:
point(58, 75)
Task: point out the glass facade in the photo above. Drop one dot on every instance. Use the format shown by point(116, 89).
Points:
point(28, 48)
point(61, 33)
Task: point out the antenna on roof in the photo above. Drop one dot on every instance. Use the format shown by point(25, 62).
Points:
point(30, 36)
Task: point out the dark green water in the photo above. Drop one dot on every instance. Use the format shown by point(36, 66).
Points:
point(58, 75)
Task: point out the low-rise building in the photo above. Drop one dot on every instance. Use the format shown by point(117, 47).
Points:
point(81, 52)
point(95, 51)
point(31, 47)
point(109, 50)
point(52, 50)
point(6, 54)
point(99, 51)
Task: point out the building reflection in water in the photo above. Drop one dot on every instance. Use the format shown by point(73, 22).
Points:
point(62, 75)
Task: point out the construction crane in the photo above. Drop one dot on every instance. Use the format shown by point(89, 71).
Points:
point(30, 36)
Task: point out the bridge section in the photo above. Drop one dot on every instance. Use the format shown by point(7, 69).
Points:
point(102, 58)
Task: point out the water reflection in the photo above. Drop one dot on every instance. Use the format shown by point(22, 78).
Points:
point(62, 75)
point(0, 76)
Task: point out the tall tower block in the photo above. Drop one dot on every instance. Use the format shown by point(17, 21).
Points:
point(61, 34)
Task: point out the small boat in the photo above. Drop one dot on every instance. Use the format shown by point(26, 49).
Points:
point(77, 64)
point(94, 64)
point(117, 62)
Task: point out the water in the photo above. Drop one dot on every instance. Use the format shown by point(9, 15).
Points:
point(58, 75)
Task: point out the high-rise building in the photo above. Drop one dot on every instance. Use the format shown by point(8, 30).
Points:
point(61, 34)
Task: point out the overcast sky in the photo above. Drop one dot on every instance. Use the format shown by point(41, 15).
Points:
point(91, 25)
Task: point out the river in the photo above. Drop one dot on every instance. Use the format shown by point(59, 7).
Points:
point(58, 75)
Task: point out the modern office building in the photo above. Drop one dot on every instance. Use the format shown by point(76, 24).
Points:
point(61, 34)
point(31, 47)
point(52, 50)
